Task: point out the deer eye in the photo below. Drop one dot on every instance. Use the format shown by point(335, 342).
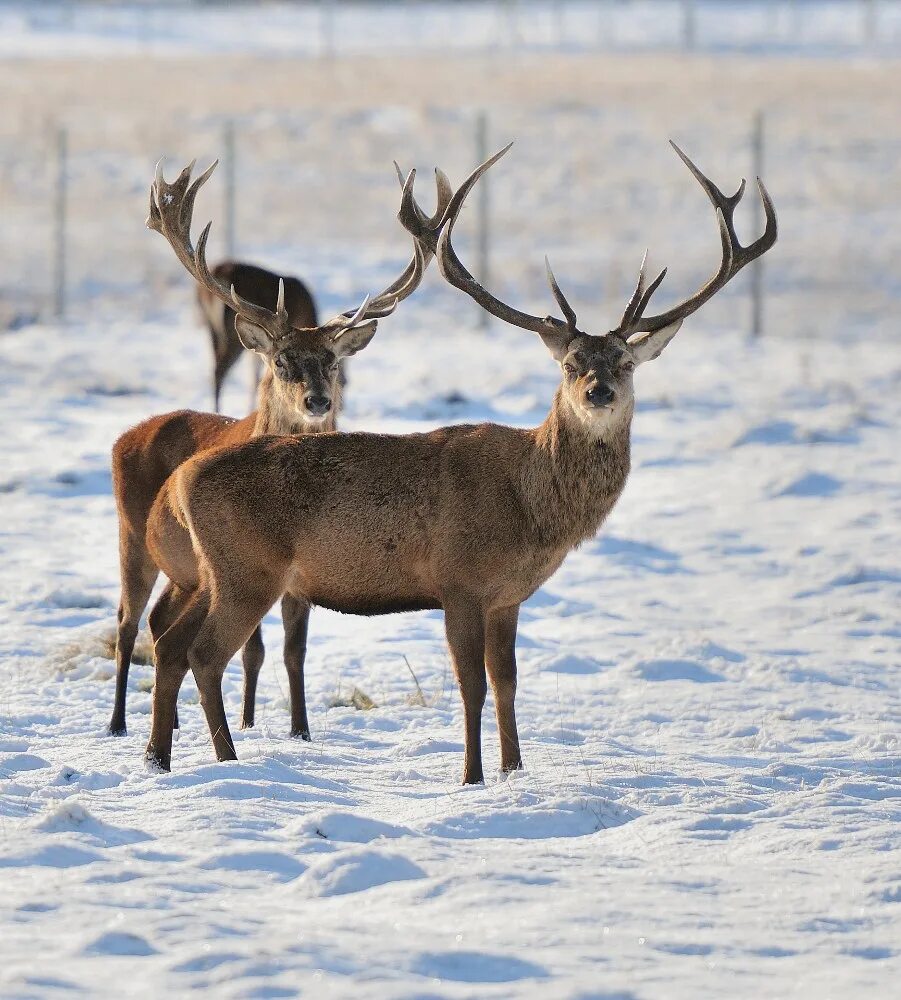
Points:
point(627, 366)
point(569, 369)
point(279, 362)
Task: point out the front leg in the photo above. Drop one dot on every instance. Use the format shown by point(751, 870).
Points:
point(296, 617)
point(464, 625)
point(500, 659)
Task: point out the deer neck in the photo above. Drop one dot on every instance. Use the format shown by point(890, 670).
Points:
point(277, 413)
point(576, 472)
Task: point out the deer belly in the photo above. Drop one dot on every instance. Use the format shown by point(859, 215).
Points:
point(368, 577)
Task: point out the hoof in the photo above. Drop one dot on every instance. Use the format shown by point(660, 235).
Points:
point(302, 734)
point(154, 764)
point(116, 730)
point(246, 725)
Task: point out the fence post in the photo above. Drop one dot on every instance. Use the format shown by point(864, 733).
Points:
point(758, 150)
point(59, 222)
point(228, 158)
point(482, 207)
point(689, 24)
point(869, 22)
point(326, 29)
point(559, 23)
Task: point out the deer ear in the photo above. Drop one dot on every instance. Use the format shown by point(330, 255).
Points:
point(647, 346)
point(253, 337)
point(556, 341)
point(355, 339)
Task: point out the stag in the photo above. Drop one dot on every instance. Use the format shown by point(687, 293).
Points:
point(470, 518)
point(300, 394)
point(257, 285)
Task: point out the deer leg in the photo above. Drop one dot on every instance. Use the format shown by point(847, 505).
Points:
point(220, 370)
point(464, 625)
point(252, 660)
point(500, 660)
point(232, 619)
point(138, 576)
point(296, 617)
point(171, 654)
point(171, 604)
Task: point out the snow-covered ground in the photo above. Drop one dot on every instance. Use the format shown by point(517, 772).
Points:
point(709, 703)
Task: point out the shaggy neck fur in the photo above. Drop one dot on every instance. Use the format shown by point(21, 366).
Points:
point(277, 412)
point(576, 473)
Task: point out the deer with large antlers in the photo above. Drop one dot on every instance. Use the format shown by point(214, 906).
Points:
point(300, 394)
point(469, 518)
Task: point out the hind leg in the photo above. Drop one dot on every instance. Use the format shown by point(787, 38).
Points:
point(296, 617)
point(231, 621)
point(171, 653)
point(252, 660)
point(138, 575)
point(169, 607)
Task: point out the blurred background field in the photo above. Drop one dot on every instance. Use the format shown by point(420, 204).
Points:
point(307, 124)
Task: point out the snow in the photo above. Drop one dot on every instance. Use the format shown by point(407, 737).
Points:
point(708, 702)
point(709, 696)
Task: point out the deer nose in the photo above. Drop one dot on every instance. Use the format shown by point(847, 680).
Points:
point(600, 395)
point(317, 405)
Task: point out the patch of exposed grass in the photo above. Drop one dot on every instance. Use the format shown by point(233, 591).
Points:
point(351, 697)
point(89, 645)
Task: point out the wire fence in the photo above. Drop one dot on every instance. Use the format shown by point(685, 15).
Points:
point(327, 28)
point(590, 188)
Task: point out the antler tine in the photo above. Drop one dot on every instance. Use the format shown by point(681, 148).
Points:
point(638, 302)
point(422, 227)
point(171, 214)
point(629, 311)
point(734, 255)
point(567, 309)
point(456, 274)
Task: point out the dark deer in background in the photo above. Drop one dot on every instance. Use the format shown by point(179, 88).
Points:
point(259, 286)
point(300, 394)
point(470, 518)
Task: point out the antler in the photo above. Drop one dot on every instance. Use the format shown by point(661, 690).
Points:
point(424, 228)
point(420, 226)
point(735, 257)
point(438, 236)
point(171, 212)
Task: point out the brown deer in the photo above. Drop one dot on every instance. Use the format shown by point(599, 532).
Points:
point(300, 394)
point(257, 285)
point(470, 518)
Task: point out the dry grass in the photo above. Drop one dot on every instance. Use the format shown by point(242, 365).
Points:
point(351, 697)
point(99, 645)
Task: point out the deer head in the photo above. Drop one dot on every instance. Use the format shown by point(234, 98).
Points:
point(597, 369)
point(303, 362)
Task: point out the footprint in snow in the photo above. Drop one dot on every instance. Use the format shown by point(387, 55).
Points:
point(120, 943)
point(476, 967)
point(356, 870)
point(280, 866)
point(676, 670)
point(811, 484)
point(345, 827)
